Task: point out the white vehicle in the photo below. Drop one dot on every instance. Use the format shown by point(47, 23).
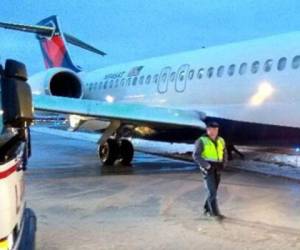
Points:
point(17, 223)
point(250, 88)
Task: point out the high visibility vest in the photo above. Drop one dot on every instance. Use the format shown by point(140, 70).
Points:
point(211, 151)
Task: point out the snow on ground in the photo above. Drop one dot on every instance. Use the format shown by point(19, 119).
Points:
point(270, 163)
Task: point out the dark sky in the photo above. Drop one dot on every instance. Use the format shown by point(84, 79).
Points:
point(131, 29)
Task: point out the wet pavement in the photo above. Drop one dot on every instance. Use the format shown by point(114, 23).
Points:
point(156, 204)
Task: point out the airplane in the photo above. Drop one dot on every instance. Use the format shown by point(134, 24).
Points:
point(250, 88)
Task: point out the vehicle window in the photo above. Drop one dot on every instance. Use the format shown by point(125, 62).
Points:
point(281, 63)
point(231, 70)
point(220, 71)
point(243, 68)
point(255, 67)
point(296, 62)
point(100, 85)
point(148, 79)
point(268, 65)
point(200, 73)
point(210, 72)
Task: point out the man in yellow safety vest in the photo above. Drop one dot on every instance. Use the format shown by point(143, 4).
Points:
point(210, 155)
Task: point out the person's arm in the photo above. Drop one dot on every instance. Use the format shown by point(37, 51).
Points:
point(202, 163)
point(225, 157)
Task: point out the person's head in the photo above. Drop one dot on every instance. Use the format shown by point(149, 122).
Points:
point(212, 130)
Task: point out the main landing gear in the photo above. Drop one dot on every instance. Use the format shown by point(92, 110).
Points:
point(115, 149)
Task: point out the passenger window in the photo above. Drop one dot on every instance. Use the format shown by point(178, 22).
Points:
point(191, 74)
point(255, 67)
point(281, 63)
point(155, 78)
point(148, 79)
point(128, 81)
point(116, 83)
point(220, 71)
point(268, 65)
point(163, 83)
point(134, 81)
point(200, 73)
point(243, 68)
point(122, 82)
point(182, 75)
point(210, 72)
point(164, 77)
point(105, 84)
point(172, 76)
point(100, 85)
point(111, 84)
point(141, 80)
point(231, 70)
point(296, 62)
point(95, 86)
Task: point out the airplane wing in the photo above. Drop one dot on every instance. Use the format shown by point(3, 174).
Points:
point(124, 112)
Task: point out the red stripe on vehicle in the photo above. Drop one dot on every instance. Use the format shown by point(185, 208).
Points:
point(8, 172)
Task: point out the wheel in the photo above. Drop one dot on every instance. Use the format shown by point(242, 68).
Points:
point(108, 152)
point(126, 152)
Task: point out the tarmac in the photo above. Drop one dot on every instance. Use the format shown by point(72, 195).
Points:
point(155, 204)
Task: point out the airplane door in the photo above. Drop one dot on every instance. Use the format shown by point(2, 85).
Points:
point(181, 78)
point(164, 80)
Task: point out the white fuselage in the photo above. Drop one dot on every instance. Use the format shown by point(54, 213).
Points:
point(258, 84)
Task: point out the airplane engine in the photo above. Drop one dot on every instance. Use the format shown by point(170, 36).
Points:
point(57, 82)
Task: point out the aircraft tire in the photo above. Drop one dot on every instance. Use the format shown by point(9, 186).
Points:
point(126, 152)
point(108, 152)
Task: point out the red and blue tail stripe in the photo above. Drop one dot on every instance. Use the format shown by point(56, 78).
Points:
point(54, 48)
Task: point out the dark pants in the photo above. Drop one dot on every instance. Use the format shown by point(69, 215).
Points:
point(212, 181)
